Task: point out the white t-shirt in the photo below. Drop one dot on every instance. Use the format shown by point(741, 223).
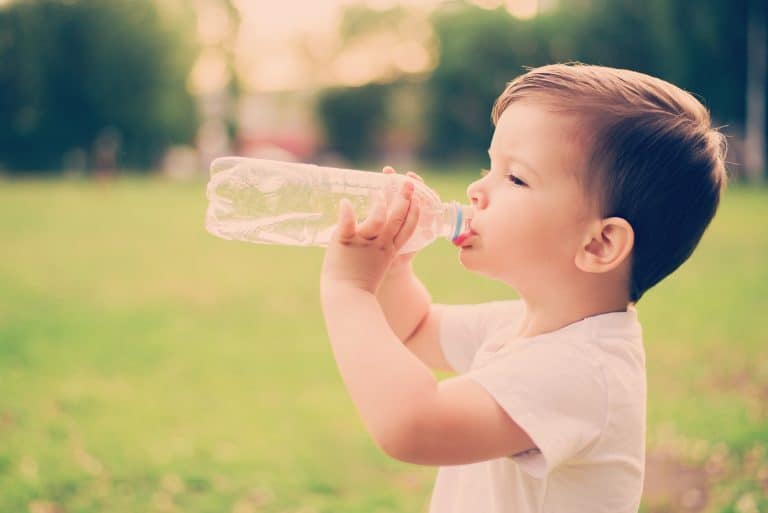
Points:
point(579, 392)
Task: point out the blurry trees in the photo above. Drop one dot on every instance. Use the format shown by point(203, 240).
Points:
point(353, 119)
point(75, 74)
point(699, 45)
point(101, 81)
point(757, 83)
point(362, 122)
point(480, 51)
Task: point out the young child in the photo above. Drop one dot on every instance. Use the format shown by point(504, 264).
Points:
point(601, 183)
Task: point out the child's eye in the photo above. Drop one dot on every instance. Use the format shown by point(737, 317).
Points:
point(512, 178)
point(515, 180)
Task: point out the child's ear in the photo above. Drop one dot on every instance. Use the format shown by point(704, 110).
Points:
point(606, 245)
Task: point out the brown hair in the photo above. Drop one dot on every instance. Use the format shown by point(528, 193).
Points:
point(653, 157)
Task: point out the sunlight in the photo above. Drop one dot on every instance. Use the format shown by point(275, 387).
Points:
point(209, 74)
point(411, 57)
point(488, 4)
point(213, 23)
point(355, 67)
point(523, 9)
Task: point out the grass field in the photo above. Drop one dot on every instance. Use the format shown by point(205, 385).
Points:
point(146, 365)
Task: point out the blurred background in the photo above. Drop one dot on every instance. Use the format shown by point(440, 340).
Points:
point(149, 85)
point(148, 366)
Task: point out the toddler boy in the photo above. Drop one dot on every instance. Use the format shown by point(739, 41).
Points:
point(601, 183)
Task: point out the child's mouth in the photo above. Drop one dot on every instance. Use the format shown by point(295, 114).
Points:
point(459, 241)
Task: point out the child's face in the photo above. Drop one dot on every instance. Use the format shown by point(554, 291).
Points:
point(530, 213)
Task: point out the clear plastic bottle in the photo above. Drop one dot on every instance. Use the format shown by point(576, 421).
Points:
point(274, 202)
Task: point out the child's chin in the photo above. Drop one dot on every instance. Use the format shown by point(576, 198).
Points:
point(467, 257)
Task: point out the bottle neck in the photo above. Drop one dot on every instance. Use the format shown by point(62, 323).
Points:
point(455, 220)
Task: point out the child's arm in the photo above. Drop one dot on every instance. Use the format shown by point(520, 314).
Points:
point(408, 307)
point(410, 415)
point(403, 298)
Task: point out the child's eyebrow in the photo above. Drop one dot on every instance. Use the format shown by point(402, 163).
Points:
point(514, 157)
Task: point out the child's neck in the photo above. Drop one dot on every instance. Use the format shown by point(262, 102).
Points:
point(544, 315)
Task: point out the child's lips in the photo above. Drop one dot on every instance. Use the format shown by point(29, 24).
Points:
point(462, 238)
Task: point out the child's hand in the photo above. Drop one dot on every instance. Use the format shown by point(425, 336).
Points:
point(402, 261)
point(360, 255)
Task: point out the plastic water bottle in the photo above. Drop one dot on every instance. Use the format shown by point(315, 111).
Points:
point(274, 202)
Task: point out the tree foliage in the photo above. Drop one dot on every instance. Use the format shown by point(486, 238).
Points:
point(353, 119)
point(69, 70)
point(480, 51)
point(699, 45)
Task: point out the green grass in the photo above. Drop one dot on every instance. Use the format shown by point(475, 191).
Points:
point(146, 365)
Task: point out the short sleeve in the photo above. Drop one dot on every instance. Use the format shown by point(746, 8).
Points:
point(554, 392)
point(464, 328)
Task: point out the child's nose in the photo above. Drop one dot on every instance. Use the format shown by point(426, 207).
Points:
point(476, 196)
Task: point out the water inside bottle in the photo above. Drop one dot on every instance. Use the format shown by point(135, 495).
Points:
point(294, 229)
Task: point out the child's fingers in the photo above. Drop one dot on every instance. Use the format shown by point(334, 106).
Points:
point(409, 226)
point(398, 212)
point(389, 170)
point(377, 218)
point(414, 175)
point(346, 228)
